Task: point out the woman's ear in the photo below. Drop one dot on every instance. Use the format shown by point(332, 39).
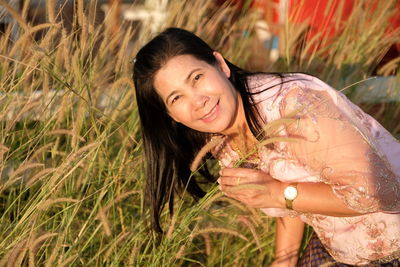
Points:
point(222, 64)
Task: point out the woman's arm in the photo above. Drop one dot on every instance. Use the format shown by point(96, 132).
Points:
point(289, 233)
point(257, 189)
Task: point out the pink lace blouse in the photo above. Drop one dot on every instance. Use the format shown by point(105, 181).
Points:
point(337, 144)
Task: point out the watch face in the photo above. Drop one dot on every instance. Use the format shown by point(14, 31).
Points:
point(290, 192)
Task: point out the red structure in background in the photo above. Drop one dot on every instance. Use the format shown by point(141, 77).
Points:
point(319, 16)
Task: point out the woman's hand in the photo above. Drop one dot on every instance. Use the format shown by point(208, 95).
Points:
point(253, 187)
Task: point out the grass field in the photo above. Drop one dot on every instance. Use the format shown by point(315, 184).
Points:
point(71, 186)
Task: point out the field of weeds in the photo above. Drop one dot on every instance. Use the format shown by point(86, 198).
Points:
point(71, 185)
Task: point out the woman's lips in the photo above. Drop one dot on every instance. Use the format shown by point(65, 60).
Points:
point(210, 116)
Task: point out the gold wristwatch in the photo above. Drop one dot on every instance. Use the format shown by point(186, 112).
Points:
point(290, 193)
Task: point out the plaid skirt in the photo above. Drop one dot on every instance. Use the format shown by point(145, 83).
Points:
point(315, 255)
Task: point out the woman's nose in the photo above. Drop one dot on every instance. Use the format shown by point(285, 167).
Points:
point(200, 101)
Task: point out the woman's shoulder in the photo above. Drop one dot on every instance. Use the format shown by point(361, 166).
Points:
point(263, 86)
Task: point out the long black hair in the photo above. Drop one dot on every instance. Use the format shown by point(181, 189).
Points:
point(170, 147)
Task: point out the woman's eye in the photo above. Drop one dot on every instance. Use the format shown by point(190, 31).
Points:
point(197, 77)
point(175, 98)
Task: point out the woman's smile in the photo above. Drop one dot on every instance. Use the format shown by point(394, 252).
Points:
point(212, 115)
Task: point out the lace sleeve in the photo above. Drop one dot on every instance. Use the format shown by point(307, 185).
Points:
point(338, 149)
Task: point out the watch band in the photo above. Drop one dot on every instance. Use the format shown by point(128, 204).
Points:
point(289, 204)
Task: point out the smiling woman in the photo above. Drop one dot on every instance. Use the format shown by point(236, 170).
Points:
point(200, 95)
point(331, 165)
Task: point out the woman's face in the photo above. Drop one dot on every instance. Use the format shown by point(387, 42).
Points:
point(199, 95)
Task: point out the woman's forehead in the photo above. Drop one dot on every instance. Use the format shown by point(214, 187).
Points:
point(177, 69)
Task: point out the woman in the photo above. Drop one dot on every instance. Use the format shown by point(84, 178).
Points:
point(334, 167)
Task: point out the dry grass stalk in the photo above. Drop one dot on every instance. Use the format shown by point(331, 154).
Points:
point(204, 150)
point(133, 255)
point(123, 81)
point(50, 6)
point(209, 201)
point(65, 132)
point(38, 152)
point(121, 237)
point(79, 152)
point(171, 226)
point(15, 15)
point(248, 224)
point(26, 38)
point(27, 107)
point(54, 253)
point(40, 175)
point(254, 212)
point(122, 52)
point(34, 245)
point(207, 243)
point(80, 11)
point(181, 251)
point(65, 262)
point(24, 167)
point(20, 258)
point(273, 128)
point(11, 257)
point(104, 221)
point(121, 218)
point(49, 202)
point(3, 149)
point(219, 230)
point(120, 198)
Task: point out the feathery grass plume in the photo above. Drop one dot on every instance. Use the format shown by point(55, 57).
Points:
point(26, 38)
point(220, 230)
point(18, 174)
point(120, 198)
point(274, 127)
point(15, 15)
point(114, 245)
point(20, 258)
point(255, 216)
point(38, 153)
point(66, 132)
point(214, 197)
point(171, 227)
point(50, 8)
point(27, 107)
point(122, 51)
point(207, 243)
point(132, 256)
point(65, 262)
point(34, 246)
point(249, 225)
point(391, 67)
point(54, 252)
point(3, 149)
point(189, 240)
point(11, 257)
point(104, 222)
point(49, 202)
point(215, 141)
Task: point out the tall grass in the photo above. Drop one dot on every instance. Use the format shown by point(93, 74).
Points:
point(70, 148)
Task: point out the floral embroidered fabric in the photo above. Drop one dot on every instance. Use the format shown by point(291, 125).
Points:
point(338, 144)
